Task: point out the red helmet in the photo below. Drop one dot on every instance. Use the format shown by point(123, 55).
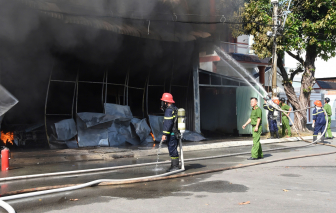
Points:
point(276, 101)
point(318, 103)
point(167, 97)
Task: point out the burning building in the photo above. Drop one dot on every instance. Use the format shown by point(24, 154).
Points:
point(63, 58)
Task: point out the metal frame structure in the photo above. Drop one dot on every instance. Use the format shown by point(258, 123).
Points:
point(221, 77)
point(146, 92)
point(105, 83)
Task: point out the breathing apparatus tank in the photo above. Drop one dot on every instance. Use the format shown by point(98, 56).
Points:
point(181, 126)
point(275, 114)
point(272, 102)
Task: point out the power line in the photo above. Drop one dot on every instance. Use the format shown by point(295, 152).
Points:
point(174, 21)
point(158, 20)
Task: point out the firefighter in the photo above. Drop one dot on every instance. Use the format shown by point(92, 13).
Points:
point(319, 120)
point(272, 119)
point(256, 122)
point(284, 118)
point(327, 108)
point(170, 133)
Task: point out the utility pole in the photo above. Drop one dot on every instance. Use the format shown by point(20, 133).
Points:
point(274, 54)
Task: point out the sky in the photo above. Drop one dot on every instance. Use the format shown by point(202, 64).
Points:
point(324, 69)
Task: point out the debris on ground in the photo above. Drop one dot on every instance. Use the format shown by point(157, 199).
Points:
point(244, 203)
point(114, 128)
point(192, 136)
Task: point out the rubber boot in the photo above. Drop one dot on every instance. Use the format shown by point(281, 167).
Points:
point(322, 139)
point(271, 135)
point(314, 139)
point(174, 165)
point(277, 134)
point(171, 165)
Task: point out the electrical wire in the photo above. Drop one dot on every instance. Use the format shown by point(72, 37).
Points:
point(155, 20)
point(178, 21)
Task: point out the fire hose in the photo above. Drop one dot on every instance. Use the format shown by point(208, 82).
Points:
point(279, 109)
point(105, 182)
point(10, 209)
point(167, 175)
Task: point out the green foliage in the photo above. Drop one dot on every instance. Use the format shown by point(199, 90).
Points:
point(308, 90)
point(285, 82)
point(310, 27)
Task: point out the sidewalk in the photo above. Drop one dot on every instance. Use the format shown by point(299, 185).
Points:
point(19, 158)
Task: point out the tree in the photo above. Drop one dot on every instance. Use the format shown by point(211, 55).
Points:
point(309, 33)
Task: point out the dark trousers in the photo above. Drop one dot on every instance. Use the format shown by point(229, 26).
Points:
point(318, 128)
point(172, 146)
point(273, 127)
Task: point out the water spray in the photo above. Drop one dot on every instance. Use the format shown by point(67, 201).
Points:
point(226, 57)
point(158, 155)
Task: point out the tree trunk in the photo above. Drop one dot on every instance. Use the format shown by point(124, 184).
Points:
point(307, 83)
point(296, 104)
point(292, 98)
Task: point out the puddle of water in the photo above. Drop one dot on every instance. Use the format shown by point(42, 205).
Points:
point(157, 168)
point(217, 186)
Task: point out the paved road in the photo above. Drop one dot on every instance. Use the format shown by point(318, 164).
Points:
point(298, 185)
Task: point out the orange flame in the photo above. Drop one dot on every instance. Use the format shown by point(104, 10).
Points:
point(152, 136)
point(7, 137)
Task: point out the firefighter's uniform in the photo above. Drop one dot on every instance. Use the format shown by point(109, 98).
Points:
point(169, 130)
point(285, 120)
point(256, 151)
point(272, 123)
point(320, 122)
point(327, 108)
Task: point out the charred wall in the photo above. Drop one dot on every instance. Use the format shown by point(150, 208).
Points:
point(87, 68)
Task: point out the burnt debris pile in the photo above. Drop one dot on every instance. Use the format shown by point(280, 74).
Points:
point(114, 128)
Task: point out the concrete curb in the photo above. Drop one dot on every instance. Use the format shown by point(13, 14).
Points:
point(122, 153)
point(219, 145)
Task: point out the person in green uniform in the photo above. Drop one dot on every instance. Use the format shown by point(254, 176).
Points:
point(327, 108)
point(284, 118)
point(255, 120)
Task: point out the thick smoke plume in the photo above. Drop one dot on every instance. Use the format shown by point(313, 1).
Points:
point(37, 36)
